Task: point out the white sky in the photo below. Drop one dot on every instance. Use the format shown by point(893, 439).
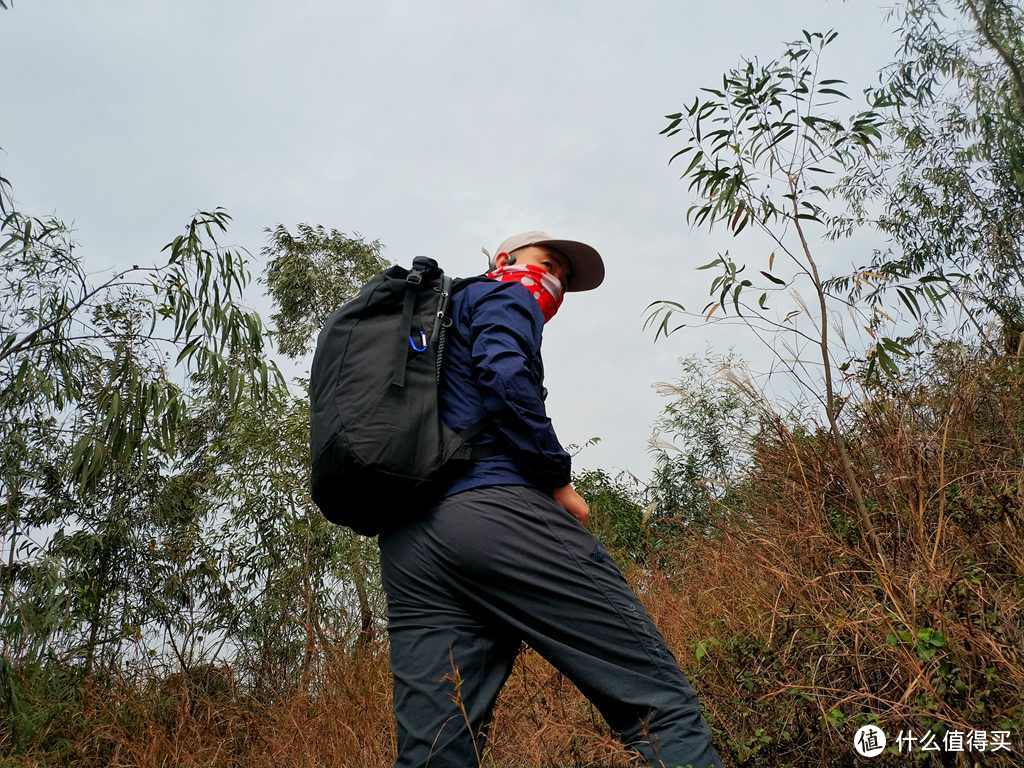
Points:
point(437, 127)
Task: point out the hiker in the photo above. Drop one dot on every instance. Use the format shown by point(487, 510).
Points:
point(504, 558)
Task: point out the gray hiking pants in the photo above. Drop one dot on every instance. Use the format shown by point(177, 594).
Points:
point(490, 567)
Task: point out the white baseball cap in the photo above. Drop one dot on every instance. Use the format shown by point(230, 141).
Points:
point(586, 264)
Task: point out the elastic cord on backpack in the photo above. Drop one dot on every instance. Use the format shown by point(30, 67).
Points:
point(408, 304)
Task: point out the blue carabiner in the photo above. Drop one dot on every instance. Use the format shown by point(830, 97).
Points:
point(423, 342)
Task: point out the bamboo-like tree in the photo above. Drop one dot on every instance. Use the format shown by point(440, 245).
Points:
point(91, 419)
point(756, 148)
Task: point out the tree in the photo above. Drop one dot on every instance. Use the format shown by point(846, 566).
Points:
point(295, 580)
point(759, 145)
point(91, 417)
point(700, 444)
point(308, 276)
point(947, 191)
point(312, 274)
point(616, 512)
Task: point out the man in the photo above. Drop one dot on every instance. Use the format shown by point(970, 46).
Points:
point(504, 557)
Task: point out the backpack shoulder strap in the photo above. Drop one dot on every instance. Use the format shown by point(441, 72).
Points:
point(461, 282)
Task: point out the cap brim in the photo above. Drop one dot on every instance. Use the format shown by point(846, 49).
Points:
point(587, 265)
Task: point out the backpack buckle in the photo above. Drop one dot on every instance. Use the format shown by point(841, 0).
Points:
point(414, 277)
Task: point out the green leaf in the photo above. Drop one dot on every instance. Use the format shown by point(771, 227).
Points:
point(9, 240)
point(700, 650)
point(670, 126)
point(682, 151)
point(743, 222)
point(910, 301)
point(772, 277)
point(188, 350)
point(835, 717)
point(693, 163)
point(886, 362)
point(115, 406)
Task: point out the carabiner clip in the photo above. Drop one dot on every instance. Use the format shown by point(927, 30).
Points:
point(423, 342)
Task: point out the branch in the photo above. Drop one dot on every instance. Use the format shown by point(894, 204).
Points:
point(1017, 75)
point(21, 345)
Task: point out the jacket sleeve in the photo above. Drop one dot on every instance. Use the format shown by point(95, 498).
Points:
point(505, 333)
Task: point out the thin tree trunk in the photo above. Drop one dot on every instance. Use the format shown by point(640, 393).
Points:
point(365, 613)
point(9, 576)
point(830, 401)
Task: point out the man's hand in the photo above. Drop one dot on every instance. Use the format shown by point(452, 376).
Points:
point(572, 502)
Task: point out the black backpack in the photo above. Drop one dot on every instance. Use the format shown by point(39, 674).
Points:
point(379, 450)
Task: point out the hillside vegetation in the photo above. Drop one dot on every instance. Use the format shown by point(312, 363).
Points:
point(850, 556)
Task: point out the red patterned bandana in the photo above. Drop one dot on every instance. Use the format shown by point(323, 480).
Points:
point(545, 287)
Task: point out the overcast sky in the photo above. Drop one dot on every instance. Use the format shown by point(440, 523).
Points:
point(437, 127)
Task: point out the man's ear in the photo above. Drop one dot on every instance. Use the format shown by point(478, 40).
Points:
point(502, 259)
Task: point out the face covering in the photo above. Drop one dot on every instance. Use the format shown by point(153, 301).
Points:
point(542, 285)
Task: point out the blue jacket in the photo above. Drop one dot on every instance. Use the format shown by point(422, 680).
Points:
point(492, 365)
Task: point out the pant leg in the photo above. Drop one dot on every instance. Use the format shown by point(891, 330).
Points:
point(524, 563)
point(429, 631)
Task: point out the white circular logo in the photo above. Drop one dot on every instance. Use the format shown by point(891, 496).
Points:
point(869, 740)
